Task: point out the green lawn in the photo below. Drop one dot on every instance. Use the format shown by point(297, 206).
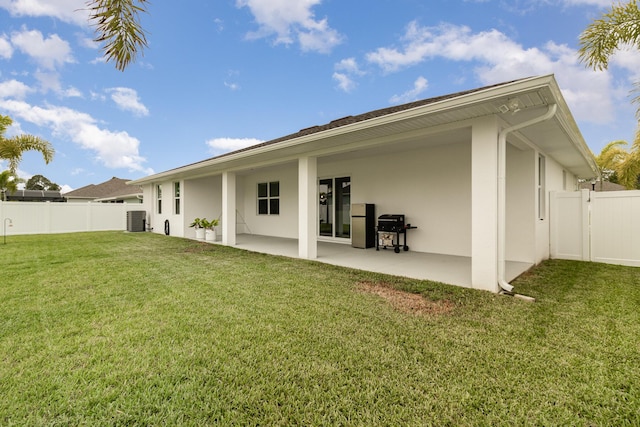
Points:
point(142, 329)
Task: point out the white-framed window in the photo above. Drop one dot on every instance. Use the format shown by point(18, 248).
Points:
point(542, 198)
point(176, 198)
point(159, 197)
point(269, 198)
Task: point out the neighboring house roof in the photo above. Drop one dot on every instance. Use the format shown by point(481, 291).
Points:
point(115, 188)
point(602, 186)
point(35, 196)
point(564, 138)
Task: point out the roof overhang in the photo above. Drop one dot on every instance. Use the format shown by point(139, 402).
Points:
point(558, 137)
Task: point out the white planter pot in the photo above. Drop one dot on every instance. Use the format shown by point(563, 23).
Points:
point(200, 233)
point(210, 235)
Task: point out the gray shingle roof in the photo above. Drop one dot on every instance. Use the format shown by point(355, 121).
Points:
point(358, 118)
point(111, 188)
point(602, 186)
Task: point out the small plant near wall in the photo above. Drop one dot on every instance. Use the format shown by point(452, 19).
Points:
point(199, 227)
point(210, 228)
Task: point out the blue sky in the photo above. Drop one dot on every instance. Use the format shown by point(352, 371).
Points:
point(220, 75)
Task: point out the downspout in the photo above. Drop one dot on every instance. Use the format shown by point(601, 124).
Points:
point(502, 190)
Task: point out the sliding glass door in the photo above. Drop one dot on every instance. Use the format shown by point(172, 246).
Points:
point(335, 207)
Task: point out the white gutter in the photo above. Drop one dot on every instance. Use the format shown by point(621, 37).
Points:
point(502, 190)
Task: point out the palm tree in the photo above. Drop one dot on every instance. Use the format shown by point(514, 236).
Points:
point(118, 26)
point(618, 164)
point(618, 27)
point(7, 183)
point(11, 149)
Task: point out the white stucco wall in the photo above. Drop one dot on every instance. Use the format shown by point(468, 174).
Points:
point(203, 198)
point(147, 205)
point(554, 181)
point(151, 205)
point(430, 186)
point(426, 185)
point(520, 205)
point(286, 223)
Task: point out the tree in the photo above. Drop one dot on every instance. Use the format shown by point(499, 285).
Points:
point(618, 27)
point(619, 165)
point(39, 182)
point(118, 27)
point(11, 149)
point(7, 183)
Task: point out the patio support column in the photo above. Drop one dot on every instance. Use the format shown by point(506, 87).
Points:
point(307, 201)
point(228, 208)
point(484, 204)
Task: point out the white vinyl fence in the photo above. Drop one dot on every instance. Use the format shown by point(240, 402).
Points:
point(596, 226)
point(48, 217)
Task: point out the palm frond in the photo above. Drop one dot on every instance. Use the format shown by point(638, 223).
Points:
point(11, 149)
point(616, 28)
point(612, 155)
point(118, 27)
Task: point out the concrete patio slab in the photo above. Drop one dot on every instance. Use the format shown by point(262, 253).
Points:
point(450, 269)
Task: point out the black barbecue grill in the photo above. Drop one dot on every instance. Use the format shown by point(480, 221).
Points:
point(390, 227)
point(391, 223)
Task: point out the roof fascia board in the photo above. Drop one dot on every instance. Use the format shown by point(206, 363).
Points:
point(570, 127)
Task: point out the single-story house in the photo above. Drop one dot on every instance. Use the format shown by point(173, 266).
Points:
point(472, 170)
point(114, 190)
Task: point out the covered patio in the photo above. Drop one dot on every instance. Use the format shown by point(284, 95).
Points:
point(455, 270)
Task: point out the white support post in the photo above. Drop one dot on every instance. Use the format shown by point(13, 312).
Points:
point(484, 205)
point(307, 204)
point(228, 208)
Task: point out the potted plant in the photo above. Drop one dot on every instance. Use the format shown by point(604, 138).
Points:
point(197, 224)
point(210, 229)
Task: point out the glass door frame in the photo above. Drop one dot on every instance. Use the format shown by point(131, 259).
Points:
point(334, 208)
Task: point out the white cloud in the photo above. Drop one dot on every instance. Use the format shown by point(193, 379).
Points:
point(291, 21)
point(345, 83)
point(349, 65)
point(72, 11)
point(627, 58)
point(14, 89)
point(65, 188)
point(72, 92)
point(346, 71)
point(127, 99)
point(6, 50)
point(113, 149)
point(49, 53)
point(50, 81)
point(225, 145)
point(601, 3)
point(95, 96)
point(419, 86)
point(496, 58)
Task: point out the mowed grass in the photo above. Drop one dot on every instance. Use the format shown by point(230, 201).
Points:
point(142, 329)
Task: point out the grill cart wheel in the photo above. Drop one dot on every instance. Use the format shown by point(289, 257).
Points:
point(396, 249)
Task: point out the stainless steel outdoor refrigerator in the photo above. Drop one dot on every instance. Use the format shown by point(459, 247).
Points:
point(363, 225)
